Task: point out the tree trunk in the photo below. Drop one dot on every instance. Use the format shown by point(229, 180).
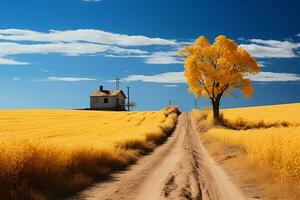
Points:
point(216, 108)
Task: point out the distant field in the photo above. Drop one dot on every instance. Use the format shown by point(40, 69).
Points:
point(281, 112)
point(99, 129)
point(48, 153)
point(275, 148)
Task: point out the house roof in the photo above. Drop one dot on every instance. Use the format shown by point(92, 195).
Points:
point(107, 93)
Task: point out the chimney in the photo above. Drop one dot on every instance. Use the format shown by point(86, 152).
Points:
point(101, 88)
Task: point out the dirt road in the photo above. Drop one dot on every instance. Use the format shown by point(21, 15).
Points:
point(178, 169)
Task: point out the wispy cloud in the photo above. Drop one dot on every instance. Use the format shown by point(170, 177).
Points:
point(70, 49)
point(171, 85)
point(9, 61)
point(169, 57)
point(82, 35)
point(262, 63)
point(177, 77)
point(274, 77)
point(94, 41)
point(16, 78)
point(272, 48)
point(168, 77)
point(160, 57)
point(69, 79)
point(80, 42)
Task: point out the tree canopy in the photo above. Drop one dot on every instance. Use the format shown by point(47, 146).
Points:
point(213, 70)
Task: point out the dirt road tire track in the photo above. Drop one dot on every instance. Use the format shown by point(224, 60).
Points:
point(179, 169)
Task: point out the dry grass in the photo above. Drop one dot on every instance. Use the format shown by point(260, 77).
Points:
point(243, 124)
point(254, 180)
point(248, 121)
point(46, 154)
point(276, 149)
point(203, 119)
point(273, 144)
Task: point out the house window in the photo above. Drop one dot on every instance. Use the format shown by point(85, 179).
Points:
point(105, 100)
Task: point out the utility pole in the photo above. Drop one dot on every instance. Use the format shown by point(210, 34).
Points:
point(117, 83)
point(169, 102)
point(195, 106)
point(128, 101)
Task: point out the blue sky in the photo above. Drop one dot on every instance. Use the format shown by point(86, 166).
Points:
point(53, 53)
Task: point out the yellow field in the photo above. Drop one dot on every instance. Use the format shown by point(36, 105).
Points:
point(276, 149)
point(70, 127)
point(48, 153)
point(283, 112)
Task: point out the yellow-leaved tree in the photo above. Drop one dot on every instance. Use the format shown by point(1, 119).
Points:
point(214, 70)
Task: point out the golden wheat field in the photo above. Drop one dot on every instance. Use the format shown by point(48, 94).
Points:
point(272, 138)
point(281, 112)
point(45, 154)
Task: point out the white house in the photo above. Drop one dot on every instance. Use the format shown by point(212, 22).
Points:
point(107, 99)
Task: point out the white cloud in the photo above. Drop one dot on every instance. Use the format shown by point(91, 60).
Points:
point(262, 63)
point(80, 42)
point(272, 48)
point(16, 78)
point(277, 43)
point(127, 56)
point(69, 79)
point(171, 85)
point(177, 77)
point(260, 51)
point(160, 57)
point(92, 0)
point(94, 41)
point(82, 35)
point(70, 49)
point(168, 77)
point(274, 77)
point(8, 61)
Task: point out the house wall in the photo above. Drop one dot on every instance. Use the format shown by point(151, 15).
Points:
point(122, 101)
point(98, 103)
